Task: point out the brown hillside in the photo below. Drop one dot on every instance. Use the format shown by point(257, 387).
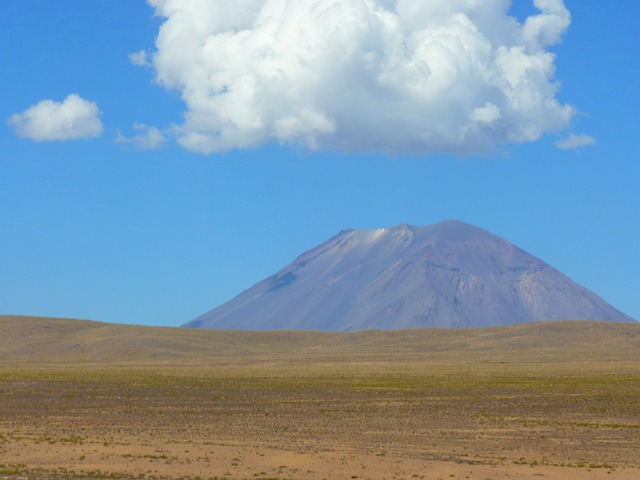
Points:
point(52, 340)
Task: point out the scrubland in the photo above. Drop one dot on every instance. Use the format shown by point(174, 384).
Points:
point(540, 401)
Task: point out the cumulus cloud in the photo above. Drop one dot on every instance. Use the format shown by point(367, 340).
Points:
point(49, 120)
point(574, 141)
point(147, 138)
point(409, 76)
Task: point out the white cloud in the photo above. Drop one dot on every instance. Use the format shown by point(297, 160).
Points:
point(574, 141)
point(366, 75)
point(139, 59)
point(48, 120)
point(148, 138)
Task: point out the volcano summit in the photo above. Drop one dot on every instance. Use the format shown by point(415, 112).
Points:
point(450, 274)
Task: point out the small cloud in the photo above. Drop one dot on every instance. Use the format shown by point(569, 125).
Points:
point(148, 138)
point(574, 141)
point(49, 120)
point(140, 59)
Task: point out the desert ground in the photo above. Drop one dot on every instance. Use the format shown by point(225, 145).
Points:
point(84, 400)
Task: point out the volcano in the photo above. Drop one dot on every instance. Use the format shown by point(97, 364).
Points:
point(450, 274)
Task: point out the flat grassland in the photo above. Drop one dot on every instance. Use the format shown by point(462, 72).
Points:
point(84, 400)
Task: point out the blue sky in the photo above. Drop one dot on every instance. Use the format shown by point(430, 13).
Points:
point(155, 185)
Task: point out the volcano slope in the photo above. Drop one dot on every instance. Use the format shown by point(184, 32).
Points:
point(86, 400)
point(450, 274)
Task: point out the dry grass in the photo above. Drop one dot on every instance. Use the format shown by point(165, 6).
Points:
point(560, 400)
point(33, 340)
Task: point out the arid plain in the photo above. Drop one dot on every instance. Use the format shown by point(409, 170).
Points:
point(86, 400)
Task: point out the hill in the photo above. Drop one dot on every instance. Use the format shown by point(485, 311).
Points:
point(36, 340)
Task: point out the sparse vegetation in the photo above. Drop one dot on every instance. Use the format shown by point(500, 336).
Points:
point(289, 417)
